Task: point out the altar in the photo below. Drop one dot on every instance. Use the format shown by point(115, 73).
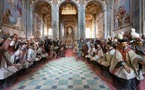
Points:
point(69, 37)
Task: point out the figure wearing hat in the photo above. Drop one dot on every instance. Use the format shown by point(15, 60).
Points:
point(138, 44)
point(6, 68)
point(125, 67)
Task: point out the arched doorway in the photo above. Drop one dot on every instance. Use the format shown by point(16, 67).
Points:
point(94, 20)
point(42, 19)
point(68, 22)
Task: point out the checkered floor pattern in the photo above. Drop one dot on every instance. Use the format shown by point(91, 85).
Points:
point(63, 74)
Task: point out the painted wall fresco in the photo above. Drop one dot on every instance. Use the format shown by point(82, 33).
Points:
point(12, 13)
point(121, 13)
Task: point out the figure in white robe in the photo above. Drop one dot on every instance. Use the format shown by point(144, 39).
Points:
point(20, 54)
point(126, 67)
point(98, 54)
point(31, 57)
point(91, 52)
point(106, 59)
point(6, 68)
point(41, 53)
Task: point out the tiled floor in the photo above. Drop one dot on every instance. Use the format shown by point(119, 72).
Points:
point(63, 74)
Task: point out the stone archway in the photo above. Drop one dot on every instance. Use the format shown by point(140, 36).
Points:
point(68, 17)
point(43, 15)
point(97, 4)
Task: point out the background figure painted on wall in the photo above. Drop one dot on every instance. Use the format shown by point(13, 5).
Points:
point(115, 21)
point(19, 7)
point(121, 13)
point(11, 2)
point(12, 15)
point(6, 16)
point(18, 24)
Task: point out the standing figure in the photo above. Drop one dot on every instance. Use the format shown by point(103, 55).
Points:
point(69, 31)
point(6, 16)
point(69, 36)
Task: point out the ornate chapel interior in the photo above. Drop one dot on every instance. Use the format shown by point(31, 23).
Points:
point(69, 20)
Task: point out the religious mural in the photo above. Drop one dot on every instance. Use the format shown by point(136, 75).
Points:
point(12, 15)
point(121, 13)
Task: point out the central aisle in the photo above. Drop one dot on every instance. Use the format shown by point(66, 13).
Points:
point(63, 74)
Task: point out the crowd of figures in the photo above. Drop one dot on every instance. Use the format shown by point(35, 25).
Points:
point(121, 57)
point(18, 54)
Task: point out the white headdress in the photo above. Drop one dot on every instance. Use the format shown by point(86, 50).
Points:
point(119, 36)
point(122, 33)
point(109, 36)
point(134, 34)
point(132, 30)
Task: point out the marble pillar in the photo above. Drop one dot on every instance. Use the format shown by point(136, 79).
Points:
point(31, 21)
point(43, 25)
point(81, 23)
point(84, 24)
point(1, 11)
point(94, 26)
point(112, 19)
point(105, 23)
point(28, 30)
point(55, 20)
point(143, 17)
point(140, 16)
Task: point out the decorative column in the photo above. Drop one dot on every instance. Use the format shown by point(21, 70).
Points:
point(1, 11)
point(79, 22)
point(43, 25)
point(140, 16)
point(76, 29)
point(83, 22)
point(28, 19)
point(55, 20)
point(95, 26)
point(112, 19)
point(32, 20)
point(143, 17)
point(105, 23)
point(81, 18)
